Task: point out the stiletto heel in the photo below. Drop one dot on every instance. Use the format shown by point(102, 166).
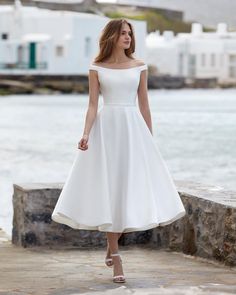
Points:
point(118, 278)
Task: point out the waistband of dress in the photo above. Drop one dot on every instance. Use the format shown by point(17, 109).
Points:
point(119, 105)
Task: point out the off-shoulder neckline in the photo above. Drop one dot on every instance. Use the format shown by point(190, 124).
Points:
point(118, 69)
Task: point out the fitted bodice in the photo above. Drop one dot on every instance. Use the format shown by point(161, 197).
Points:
point(119, 86)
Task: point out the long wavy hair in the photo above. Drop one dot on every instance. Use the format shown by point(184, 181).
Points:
point(110, 35)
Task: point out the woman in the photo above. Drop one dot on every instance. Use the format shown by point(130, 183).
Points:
point(118, 182)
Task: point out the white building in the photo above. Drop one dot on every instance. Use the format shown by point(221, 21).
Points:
point(196, 55)
point(41, 41)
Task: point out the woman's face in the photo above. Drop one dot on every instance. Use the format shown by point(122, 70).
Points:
point(124, 40)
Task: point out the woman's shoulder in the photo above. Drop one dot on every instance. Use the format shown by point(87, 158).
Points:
point(141, 65)
point(139, 62)
point(94, 66)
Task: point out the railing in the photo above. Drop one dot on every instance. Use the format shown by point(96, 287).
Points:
point(23, 66)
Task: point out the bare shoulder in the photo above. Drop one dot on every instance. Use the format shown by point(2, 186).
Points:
point(139, 62)
point(94, 63)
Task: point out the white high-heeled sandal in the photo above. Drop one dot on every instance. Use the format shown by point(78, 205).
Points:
point(118, 278)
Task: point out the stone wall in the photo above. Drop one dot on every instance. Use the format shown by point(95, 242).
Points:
point(208, 229)
point(32, 224)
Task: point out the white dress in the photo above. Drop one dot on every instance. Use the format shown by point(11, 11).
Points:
point(121, 182)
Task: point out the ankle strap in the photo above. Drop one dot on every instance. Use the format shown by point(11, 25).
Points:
point(115, 254)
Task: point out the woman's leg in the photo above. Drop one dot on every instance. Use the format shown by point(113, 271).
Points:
point(114, 248)
point(108, 255)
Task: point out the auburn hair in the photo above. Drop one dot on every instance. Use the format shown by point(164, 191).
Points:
point(110, 35)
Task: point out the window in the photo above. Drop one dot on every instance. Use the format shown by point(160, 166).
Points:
point(20, 54)
point(222, 60)
point(180, 65)
point(203, 59)
point(43, 54)
point(232, 72)
point(87, 47)
point(4, 36)
point(59, 50)
point(232, 59)
point(213, 60)
point(232, 65)
point(192, 65)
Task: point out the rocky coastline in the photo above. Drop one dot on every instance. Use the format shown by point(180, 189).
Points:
point(38, 84)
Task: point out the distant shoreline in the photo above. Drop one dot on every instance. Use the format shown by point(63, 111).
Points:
point(37, 84)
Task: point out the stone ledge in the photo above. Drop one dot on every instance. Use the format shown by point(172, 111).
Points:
point(213, 193)
point(208, 230)
point(34, 186)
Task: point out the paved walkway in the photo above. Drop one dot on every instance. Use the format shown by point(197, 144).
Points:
point(70, 272)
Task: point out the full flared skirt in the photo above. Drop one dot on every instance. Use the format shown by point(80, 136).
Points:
point(120, 183)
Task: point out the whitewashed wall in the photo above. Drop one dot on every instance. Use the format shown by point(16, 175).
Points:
point(214, 53)
point(67, 29)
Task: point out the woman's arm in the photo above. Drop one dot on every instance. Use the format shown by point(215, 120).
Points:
point(93, 101)
point(143, 99)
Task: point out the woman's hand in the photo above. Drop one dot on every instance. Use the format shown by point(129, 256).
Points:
point(83, 143)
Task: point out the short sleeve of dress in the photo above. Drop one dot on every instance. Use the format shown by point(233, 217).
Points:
point(143, 67)
point(93, 67)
